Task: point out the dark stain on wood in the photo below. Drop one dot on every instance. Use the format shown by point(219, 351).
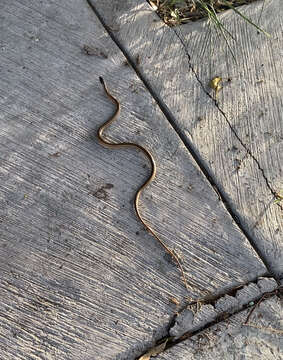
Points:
point(101, 193)
point(94, 51)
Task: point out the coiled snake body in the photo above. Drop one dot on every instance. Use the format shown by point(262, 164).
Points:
point(111, 145)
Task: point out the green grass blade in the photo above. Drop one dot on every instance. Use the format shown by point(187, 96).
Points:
point(224, 2)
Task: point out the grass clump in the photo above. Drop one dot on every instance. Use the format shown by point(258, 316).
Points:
point(176, 12)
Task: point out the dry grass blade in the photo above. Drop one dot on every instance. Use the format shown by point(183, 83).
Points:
point(269, 329)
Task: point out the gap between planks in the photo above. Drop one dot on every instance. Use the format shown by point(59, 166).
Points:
point(251, 302)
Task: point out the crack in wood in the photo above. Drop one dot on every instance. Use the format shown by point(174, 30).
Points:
point(274, 192)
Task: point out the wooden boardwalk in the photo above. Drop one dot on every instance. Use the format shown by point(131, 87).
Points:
point(80, 276)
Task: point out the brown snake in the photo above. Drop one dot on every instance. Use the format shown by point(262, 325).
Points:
point(111, 145)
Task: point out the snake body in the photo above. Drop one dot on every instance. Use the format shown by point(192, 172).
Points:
point(111, 145)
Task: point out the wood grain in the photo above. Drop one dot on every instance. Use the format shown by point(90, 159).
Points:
point(80, 278)
point(239, 139)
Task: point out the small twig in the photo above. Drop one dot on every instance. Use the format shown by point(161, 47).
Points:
point(264, 296)
point(253, 309)
point(277, 331)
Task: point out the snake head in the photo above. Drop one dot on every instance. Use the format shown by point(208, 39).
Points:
point(101, 80)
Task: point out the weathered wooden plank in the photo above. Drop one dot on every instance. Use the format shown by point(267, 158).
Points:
point(240, 139)
point(80, 278)
point(230, 339)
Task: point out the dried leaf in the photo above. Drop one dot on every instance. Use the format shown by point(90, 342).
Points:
point(215, 83)
point(154, 351)
point(153, 5)
point(173, 300)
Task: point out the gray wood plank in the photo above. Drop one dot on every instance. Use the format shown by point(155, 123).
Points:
point(80, 278)
point(240, 140)
point(261, 338)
